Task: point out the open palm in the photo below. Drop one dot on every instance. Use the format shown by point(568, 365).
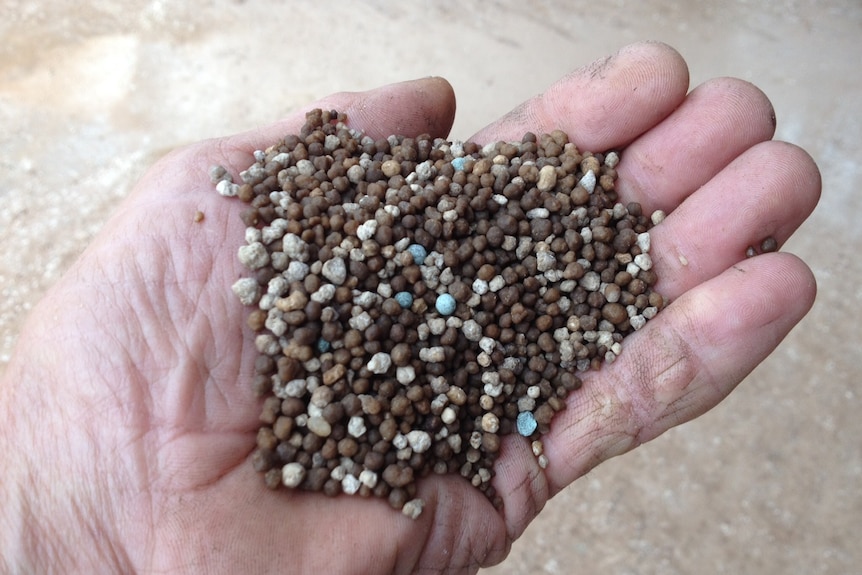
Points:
point(130, 413)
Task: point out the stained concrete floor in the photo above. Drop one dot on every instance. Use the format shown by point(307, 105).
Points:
point(769, 482)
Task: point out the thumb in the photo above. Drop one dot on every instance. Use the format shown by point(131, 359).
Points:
point(406, 108)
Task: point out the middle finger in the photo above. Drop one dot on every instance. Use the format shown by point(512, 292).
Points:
point(716, 122)
point(769, 190)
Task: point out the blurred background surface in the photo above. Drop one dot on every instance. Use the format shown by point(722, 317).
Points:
point(769, 482)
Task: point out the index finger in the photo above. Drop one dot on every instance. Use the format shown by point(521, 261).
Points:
point(603, 105)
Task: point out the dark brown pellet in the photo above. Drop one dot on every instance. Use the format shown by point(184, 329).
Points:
point(769, 245)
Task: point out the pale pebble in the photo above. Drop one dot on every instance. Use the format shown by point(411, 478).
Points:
point(419, 441)
point(253, 256)
point(247, 290)
point(380, 363)
point(643, 261)
point(350, 484)
point(292, 474)
point(405, 374)
point(588, 181)
point(413, 508)
point(335, 270)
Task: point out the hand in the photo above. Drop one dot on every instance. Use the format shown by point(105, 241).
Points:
point(129, 416)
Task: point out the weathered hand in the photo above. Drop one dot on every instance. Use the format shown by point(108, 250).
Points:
point(129, 414)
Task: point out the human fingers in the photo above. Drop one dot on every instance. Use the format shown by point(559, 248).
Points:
point(716, 122)
point(603, 105)
point(768, 191)
point(681, 364)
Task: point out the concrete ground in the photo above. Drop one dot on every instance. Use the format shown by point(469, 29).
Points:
point(770, 482)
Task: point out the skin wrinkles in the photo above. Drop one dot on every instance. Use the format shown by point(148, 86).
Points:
point(179, 514)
